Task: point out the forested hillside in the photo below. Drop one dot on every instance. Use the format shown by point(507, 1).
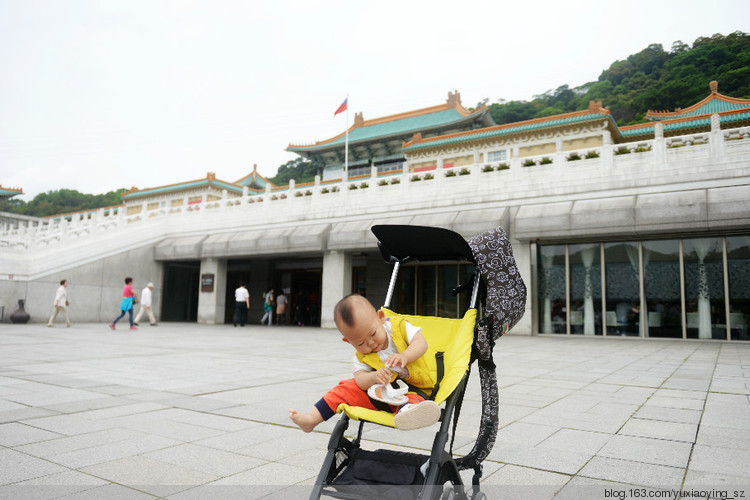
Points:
point(651, 79)
point(61, 201)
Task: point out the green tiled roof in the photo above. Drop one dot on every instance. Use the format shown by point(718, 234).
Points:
point(736, 117)
point(681, 125)
point(261, 182)
point(715, 106)
point(638, 131)
point(495, 132)
point(8, 192)
point(183, 186)
point(404, 126)
point(711, 106)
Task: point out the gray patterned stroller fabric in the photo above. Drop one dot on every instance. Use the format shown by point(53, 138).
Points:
point(504, 302)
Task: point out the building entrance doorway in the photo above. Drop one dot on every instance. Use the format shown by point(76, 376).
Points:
point(181, 286)
point(237, 272)
point(302, 288)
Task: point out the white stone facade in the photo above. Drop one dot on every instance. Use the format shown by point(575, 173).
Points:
point(695, 183)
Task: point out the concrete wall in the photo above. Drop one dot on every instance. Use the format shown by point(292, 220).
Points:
point(94, 289)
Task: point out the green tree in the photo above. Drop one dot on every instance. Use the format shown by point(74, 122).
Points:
point(61, 201)
point(650, 79)
point(299, 169)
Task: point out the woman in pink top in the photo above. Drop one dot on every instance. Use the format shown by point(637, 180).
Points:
point(129, 298)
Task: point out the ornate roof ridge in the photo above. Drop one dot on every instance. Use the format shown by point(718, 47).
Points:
point(209, 179)
point(254, 174)
point(453, 102)
point(682, 119)
point(714, 95)
point(18, 190)
point(595, 108)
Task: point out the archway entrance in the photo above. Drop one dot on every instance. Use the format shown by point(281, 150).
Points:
point(181, 286)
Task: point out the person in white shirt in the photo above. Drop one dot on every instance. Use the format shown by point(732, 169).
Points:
point(241, 305)
point(61, 304)
point(146, 300)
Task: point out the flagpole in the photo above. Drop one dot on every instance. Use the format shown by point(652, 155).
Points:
point(346, 142)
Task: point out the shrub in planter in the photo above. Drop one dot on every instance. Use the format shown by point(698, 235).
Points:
point(450, 173)
point(396, 181)
point(642, 149)
point(427, 177)
point(324, 191)
point(464, 171)
point(574, 157)
point(487, 168)
point(382, 182)
point(529, 163)
point(503, 166)
point(364, 185)
point(592, 154)
point(297, 194)
point(308, 193)
point(352, 186)
point(545, 161)
point(622, 151)
point(415, 178)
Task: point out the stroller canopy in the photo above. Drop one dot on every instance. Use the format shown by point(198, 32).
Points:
point(408, 243)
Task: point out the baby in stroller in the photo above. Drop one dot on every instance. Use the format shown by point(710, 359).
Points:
point(384, 350)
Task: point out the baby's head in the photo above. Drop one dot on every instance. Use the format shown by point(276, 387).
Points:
point(360, 324)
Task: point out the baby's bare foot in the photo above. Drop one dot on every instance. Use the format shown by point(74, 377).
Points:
point(305, 422)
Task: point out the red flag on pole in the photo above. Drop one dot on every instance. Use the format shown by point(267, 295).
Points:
point(342, 107)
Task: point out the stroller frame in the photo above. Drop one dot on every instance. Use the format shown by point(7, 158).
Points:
point(443, 468)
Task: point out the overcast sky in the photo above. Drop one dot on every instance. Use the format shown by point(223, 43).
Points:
point(98, 95)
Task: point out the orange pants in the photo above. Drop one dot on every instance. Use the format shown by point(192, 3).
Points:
point(348, 392)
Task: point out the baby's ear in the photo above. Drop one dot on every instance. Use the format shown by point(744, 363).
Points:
point(345, 340)
point(381, 315)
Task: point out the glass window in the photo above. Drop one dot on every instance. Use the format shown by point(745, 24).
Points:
point(359, 280)
point(551, 288)
point(623, 288)
point(585, 289)
point(464, 299)
point(661, 264)
point(497, 156)
point(447, 306)
point(426, 292)
point(704, 288)
point(738, 270)
point(403, 302)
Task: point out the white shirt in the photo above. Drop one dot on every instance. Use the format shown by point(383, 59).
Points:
point(146, 297)
point(386, 353)
point(241, 294)
point(61, 297)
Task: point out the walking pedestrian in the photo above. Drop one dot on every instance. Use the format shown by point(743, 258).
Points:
point(60, 305)
point(129, 297)
point(146, 299)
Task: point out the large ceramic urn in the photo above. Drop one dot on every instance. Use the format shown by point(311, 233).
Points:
point(20, 316)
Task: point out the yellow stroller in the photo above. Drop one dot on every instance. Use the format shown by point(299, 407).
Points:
point(350, 472)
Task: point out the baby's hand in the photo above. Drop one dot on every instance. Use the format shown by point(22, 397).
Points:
point(382, 375)
point(397, 359)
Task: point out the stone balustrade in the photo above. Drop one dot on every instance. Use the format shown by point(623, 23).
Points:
point(610, 167)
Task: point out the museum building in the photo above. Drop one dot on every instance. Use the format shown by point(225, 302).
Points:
point(640, 230)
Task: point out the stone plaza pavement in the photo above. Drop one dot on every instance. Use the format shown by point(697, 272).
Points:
point(187, 411)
